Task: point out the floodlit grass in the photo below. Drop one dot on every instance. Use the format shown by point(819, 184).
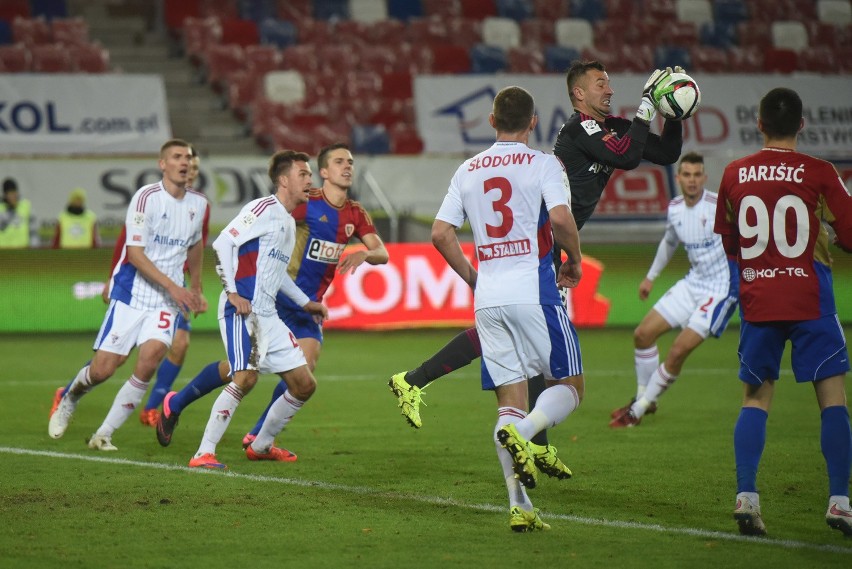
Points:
point(368, 490)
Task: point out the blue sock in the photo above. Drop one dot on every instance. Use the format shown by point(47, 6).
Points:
point(276, 393)
point(202, 384)
point(749, 440)
point(67, 387)
point(836, 440)
point(166, 375)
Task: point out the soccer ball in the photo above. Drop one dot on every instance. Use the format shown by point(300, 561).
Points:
point(678, 98)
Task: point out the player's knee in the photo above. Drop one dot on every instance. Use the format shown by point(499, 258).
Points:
point(641, 338)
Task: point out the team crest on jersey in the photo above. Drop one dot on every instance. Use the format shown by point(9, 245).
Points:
point(591, 126)
point(323, 218)
point(349, 229)
point(138, 219)
point(191, 214)
point(248, 219)
point(233, 231)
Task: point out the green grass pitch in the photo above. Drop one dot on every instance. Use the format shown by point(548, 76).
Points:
point(370, 491)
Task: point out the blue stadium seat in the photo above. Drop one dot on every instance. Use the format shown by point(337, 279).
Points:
point(258, 10)
point(49, 9)
point(370, 139)
point(328, 9)
point(278, 32)
point(670, 56)
point(487, 59)
point(404, 10)
point(515, 9)
point(5, 32)
point(591, 10)
point(558, 58)
point(730, 11)
point(720, 34)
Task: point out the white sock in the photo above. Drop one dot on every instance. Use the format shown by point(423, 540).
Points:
point(841, 501)
point(646, 362)
point(553, 406)
point(126, 401)
point(279, 415)
point(82, 384)
point(220, 418)
point(517, 493)
point(661, 380)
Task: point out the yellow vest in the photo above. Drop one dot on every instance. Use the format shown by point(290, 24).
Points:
point(17, 234)
point(76, 231)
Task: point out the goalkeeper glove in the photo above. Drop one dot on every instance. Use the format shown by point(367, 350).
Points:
point(647, 108)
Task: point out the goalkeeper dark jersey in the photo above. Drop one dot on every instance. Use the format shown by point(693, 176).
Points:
point(590, 150)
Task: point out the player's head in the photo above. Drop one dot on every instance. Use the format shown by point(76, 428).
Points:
point(589, 89)
point(513, 110)
point(336, 165)
point(194, 167)
point(290, 173)
point(10, 191)
point(690, 174)
point(175, 155)
point(780, 114)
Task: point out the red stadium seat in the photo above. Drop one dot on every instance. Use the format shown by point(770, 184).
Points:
point(359, 85)
point(661, 10)
point(313, 31)
point(261, 59)
point(220, 62)
point(746, 59)
point(478, 9)
point(379, 58)
point(428, 30)
point(70, 31)
point(450, 59)
point(621, 11)
point(397, 86)
point(240, 32)
point(337, 58)
point(819, 59)
point(222, 9)
point(683, 34)
point(442, 8)
point(175, 13)
point(779, 60)
point(198, 34)
point(243, 88)
point(389, 32)
point(537, 32)
point(405, 140)
point(11, 9)
point(351, 32)
point(294, 10)
point(465, 32)
point(755, 33)
point(551, 9)
point(709, 59)
point(51, 58)
point(15, 58)
point(89, 58)
point(525, 60)
point(301, 57)
point(31, 31)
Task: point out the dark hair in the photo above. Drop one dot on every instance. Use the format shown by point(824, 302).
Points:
point(514, 108)
point(282, 161)
point(322, 157)
point(576, 72)
point(780, 113)
point(10, 185)
point(174, 142)
point(691, 158)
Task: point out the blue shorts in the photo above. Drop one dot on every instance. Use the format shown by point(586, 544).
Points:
point(819, 349)
point(301, 323)
point(182, 323)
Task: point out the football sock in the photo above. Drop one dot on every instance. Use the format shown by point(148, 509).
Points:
point(749, 440)
point(126, 401)
point(202, 384)
point(535, 387)
point(280, 413)
point(166, 375)
point(279, 390)
point(80, 385)
point(459, 352)
point(220, 418)
point(661, 380)
point(517, 492)
point(646, 362)
point(70, 383)
point(836, 442)
point(553, 407)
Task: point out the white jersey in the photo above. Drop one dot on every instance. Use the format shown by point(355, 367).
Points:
point(260, 240)
point(710, 270)
point(506, 193)
point(166, 227)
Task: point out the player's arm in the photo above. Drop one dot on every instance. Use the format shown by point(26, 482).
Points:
point(292, 291)
point(224, 248)
point(606, 148)
point(374, 254)
point(838, 213)
point(665, 252)
point(566, 235)
point(725, 224)
point(665, 149)
point(446, 241)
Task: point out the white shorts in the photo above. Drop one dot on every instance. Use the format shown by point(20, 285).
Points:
point(520, 341)
point(260, 343)
point(125, 327)
point(706, 314)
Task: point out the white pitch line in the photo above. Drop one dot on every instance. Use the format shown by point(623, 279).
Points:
point(437, 500)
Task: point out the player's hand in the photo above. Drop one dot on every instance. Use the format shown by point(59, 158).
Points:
point(351, 262)
point(647, 109)
point(679, 69)
point(187, 301)
point(318, 310)
point(240, 304)
point(105, 294)
point(645, 288)
point(569, 275)
point(202, 304)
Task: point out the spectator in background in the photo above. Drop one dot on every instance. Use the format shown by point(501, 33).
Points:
point(17, 224)
point(77, 226)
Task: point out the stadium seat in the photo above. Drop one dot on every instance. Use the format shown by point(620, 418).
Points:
point(466, 32)
point(323, 85)
point(449, 59)
point(280, 33)
point(392, 112)
point(89, 58)
point(574, 32)
point(478, 9)
point(370, 139)
point(387, 32)
point(730, 11)
point(682, 34)
point(261, 59)
point(558, 58)
point(670, 56)
point(49, 9)
point(359, 85)
point(837, 12)
point(746, 59)
point(821, 33)
point(428, 30)
point(708, 59)
point(220, 62)
point(221, 9)
point(772, 10)
point(378, 58)
point(11, 9)
point(70, 31)
point(621, 11)
point(790, 35)
point(337, 58)
point(819, 59)
point(696, 11)
point(538, 32)
point(720, 34)
point(243, 88)
point(258, 10)
point(517, 10)
point(6, 33)
point(551, 10)
point(525, 60)
point(397, 86)
point(501, 32)
point(331, 9)
point(404, 10)
point(293, 10)
point(368, 11)
point(51, 58)
point(351, 32)
point(757, 34)
point(635, 58)
point(198, 34)
point(312, 31)
point(442, 8)
point(591, 10)
point(175, 13)
point(779, 60)
point(285, 87)
point(661, 10)
point(487, 59)
point(31, 31)
point(415, 58)
point(405, 140)
point(15, 58)
point(240, 32)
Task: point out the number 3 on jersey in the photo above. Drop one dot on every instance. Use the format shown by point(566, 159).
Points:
point(503, 186)
point(763, 227)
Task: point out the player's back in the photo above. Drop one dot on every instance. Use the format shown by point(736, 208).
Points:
point(778, 202)
point(506, 192)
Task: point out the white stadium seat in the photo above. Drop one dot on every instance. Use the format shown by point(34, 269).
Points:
point(368, 11)
point(789, 35)
point(696, 11)
point(504, 33)
point(285, 87)
point(574, 32)
point(837, 12)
